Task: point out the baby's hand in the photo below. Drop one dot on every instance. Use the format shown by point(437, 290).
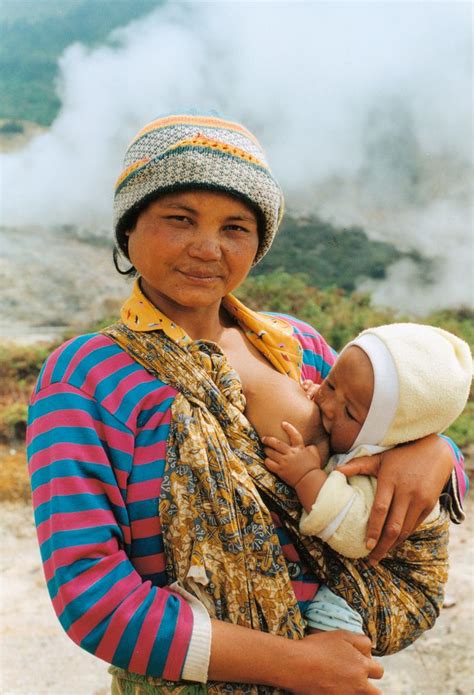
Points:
point(310, 388)
point(291, 462)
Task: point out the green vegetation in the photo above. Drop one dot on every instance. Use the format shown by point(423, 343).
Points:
point(13, 421)
point(329, 256)
point(11, 128)
point(462, 431)
point(19, 369)
point(36, 32)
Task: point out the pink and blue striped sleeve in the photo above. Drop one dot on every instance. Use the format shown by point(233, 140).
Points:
point(80, 457)
point(457, 486)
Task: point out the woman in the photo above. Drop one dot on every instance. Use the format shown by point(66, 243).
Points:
point(163, 537)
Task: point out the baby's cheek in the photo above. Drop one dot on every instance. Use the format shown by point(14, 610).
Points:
point(339, 439)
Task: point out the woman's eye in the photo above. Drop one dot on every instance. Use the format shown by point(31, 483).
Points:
point(178, 218)
point(235, 228)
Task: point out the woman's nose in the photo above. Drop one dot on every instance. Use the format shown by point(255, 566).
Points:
point(205, 247)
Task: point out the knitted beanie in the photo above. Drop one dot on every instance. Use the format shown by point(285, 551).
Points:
point(199, 151)
point(422, 378)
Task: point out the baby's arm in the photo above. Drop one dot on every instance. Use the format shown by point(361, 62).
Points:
point(340, 514)
point(298, 465)
point(336, 508)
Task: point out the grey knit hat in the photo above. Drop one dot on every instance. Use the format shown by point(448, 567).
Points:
point(200, 151)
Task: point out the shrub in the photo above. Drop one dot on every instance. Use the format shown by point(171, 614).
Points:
point(13, 419)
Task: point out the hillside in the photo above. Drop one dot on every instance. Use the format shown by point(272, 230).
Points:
point(330, 256)
point(35, 33)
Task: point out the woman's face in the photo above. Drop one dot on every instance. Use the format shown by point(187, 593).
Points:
point(191, 248)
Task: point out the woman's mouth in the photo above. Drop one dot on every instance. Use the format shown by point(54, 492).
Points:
point(199, 278)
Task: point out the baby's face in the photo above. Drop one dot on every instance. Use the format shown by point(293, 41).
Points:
point(344, 398)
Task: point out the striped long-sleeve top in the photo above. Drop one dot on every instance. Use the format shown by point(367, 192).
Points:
point(98, 426)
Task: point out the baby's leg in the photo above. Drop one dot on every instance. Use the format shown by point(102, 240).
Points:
point(330, 612)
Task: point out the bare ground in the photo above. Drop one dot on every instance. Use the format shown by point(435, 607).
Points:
point(37, 657)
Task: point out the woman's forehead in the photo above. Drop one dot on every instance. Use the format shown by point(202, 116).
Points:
point(197, 199)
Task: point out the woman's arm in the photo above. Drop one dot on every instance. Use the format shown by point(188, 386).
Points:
point(79, 460)
point(329, 663)
point(410, 480)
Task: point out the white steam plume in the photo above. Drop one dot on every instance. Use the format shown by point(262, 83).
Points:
point(364, 109)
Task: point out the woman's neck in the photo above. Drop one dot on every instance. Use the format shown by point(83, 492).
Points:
point(200, 323)
point(203, 324)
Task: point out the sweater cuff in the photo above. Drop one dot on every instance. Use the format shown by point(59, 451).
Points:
point(196, 663)
point(332, 504)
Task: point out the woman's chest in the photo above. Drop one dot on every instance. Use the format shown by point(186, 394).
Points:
point(255, 371)
point(271, 396)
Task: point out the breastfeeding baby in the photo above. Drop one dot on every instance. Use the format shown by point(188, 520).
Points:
point(392, 384)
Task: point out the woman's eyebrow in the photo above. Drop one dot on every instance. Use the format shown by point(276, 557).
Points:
point(243, 218)
point(187, 208)
point(179, 206)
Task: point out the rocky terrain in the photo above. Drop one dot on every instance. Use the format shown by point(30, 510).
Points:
point(53, 278)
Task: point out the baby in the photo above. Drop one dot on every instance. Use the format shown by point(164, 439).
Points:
point(391, 385)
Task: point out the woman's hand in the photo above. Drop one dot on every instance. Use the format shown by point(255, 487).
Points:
point(346, 666)
point(411, 478)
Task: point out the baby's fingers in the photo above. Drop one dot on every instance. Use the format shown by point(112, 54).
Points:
point(312, 391)
point(271, 465)
point(272, 454)
point(276, 444)
point(294, 435)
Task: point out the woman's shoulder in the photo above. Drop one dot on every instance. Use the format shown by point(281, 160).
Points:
point(299, 327)
point(318, 356)
point(95, 364)
point(303, 331)
point(77, 356)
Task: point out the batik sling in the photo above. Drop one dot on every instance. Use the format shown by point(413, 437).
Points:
point(219, 539)
point(220, 543)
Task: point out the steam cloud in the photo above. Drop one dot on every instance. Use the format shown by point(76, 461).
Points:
point(364, 109)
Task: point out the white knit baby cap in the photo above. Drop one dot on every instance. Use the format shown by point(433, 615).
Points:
point(422, 378)
point(385, 397)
